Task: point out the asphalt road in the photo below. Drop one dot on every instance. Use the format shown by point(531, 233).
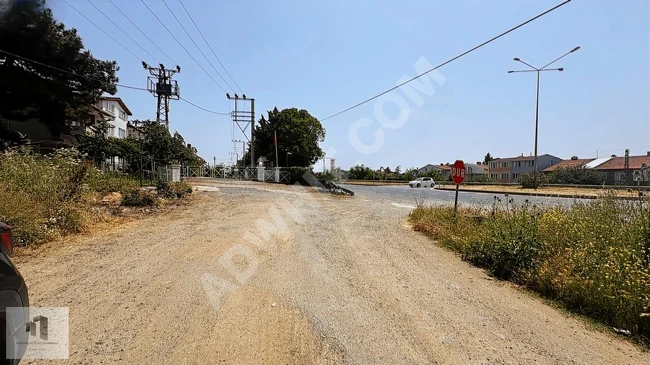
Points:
point(407, 196)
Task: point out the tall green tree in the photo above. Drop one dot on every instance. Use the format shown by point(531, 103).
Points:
point(488, 157)
point(298, 132)
point(31, 90)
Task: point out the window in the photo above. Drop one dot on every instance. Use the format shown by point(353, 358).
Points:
point(110, 131)
point(110, 107)
point(494, 176)
point(621, 176)
point(505, 164)
point(516, 164)
point(122, 115)
point(121, 133)
point(493, 165)
point(504, 175)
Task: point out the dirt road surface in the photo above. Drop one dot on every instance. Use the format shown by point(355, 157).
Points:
point(341, 280)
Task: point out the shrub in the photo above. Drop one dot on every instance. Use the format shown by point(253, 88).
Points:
point(176, 190)
point(139, 198)
point(181, 189)
point(594, 257)
point(301, 175)
point(107, 182)
point(527, 180)
point(510, 244)
point(577, 175)
point(42, 197)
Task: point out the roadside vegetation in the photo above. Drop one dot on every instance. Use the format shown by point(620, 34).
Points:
point(594, 257)
point(45, 197)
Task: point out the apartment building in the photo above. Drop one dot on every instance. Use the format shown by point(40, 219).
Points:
point(508, 170)
point(119, 115)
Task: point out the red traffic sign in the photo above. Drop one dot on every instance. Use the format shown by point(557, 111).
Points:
point(458, 172)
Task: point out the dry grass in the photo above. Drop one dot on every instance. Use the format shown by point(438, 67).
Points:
point(45, 198)
point(594, 258)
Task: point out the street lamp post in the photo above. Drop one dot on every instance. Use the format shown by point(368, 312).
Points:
point(538, 71)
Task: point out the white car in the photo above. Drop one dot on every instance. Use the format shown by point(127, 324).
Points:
point(422, 181)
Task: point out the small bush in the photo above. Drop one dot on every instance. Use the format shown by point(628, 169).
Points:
point(577, 175)
point(42, 197)
point(527, 180)
point(176, 190)
point(181, 189)
point(301, 175)
point(108, 182)
point(139, 198)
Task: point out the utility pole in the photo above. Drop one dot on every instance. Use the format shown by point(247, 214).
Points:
point(161, 85)
point(244, 117)
point(627, 168)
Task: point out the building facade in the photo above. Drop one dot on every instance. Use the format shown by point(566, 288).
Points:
point(118, 113)
point(508, 170)
point(443, 170)
point(613, 168)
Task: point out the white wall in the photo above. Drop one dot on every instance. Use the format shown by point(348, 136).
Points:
point(120, 120)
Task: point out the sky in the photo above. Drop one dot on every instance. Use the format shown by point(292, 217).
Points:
point(325, 56)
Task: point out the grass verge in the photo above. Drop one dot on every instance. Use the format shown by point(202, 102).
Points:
point(47, 197)
point(594, 257)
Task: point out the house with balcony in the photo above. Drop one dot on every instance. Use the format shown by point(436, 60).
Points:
point(118, 113)
point(508, 170)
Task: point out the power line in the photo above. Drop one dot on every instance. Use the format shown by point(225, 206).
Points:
point(197, 46)
point(448, 61)
point(204, 109)
point(105, 32)
point(209, 46)
point(122, 30)
point(182, 46)
point(143, 33)
point(92, 78)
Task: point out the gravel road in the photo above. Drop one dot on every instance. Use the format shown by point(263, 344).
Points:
point(253, 273)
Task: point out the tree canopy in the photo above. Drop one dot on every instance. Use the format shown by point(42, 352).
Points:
point(298, 132)
point(488, 157)
point(29, 89)
point(157, 143)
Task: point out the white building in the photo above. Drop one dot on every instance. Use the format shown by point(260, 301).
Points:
point(118, 115)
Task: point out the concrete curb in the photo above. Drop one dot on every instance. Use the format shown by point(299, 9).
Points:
point(571, 196)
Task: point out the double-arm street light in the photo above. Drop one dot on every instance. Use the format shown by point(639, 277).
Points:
point(539, 70)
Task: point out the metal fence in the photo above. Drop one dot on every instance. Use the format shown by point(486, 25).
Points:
point(243, 173)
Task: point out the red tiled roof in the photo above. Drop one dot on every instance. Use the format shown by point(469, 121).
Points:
point(444, 167)
point(569, 164)
point(618, 163)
